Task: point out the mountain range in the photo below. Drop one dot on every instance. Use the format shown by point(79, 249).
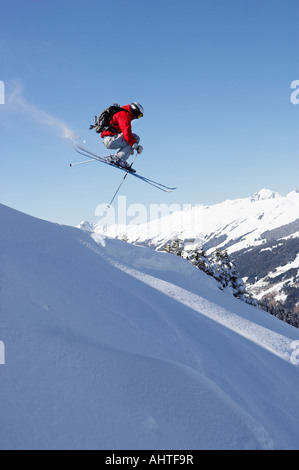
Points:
point(260, 233)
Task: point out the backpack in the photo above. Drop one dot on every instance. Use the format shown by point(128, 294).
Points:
point(102, 123)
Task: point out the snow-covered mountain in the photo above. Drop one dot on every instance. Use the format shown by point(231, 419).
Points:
point(261, 233)
point(114, 346)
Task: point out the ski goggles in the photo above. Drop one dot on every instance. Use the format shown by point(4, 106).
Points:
point(139, 116)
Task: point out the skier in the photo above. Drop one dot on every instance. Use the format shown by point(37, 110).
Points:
point(119, 134)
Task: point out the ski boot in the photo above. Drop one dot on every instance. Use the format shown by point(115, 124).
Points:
point(120, 163)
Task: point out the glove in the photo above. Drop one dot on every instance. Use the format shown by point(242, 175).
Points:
point(137, 147)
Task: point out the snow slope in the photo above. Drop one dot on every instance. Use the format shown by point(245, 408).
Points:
point(114, 346)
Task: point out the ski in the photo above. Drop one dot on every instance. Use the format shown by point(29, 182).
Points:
point(88, 154)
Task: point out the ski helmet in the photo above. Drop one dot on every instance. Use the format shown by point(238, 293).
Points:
point(137, 110)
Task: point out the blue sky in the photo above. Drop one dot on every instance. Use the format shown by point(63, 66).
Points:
point(213, 76)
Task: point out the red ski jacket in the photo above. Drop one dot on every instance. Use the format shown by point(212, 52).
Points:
point(121, 121)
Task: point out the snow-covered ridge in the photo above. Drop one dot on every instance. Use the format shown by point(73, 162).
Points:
point(111, 345)
point(235, 224)
point(265, 194)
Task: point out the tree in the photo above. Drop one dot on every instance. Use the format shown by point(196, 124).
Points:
point(175, 247)
point(221, 266)
point(225, 271)
point(198, 257)
point(218, 265)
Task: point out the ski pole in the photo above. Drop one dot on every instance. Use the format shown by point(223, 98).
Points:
point(122, 182)
point(81, 163)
